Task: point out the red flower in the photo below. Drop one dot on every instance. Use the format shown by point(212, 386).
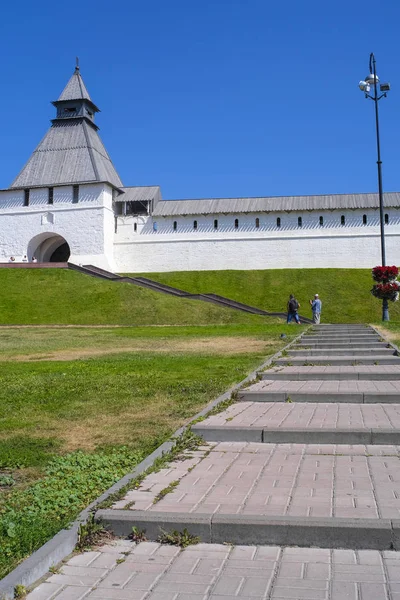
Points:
point(385, 274)
point(388, 291)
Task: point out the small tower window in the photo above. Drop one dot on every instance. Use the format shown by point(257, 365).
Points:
point(50, 198)
point(321, 221)
point(236, 223)
point(70, 109)
point(278, 222)
point(195, 225)
point(257, 223)
point(175, 225)
point(26, 197)
point(75, 194)
point(215, 223)
point(364, 219)
point(135, 227)
point(343, 220)
point(300, 222)
point(386, 219)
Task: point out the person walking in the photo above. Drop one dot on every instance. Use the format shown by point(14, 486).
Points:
point(316, 306)
point(292, 308)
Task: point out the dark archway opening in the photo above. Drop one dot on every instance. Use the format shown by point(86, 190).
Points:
point(61, 254)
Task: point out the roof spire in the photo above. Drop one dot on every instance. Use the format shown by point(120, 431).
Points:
point(77, 64)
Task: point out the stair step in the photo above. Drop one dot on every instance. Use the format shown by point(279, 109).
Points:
point(273, 494)
point(251, 529)
point(339, 373)
point(338, 345)
point(343, 352)
point(338, 360)
point(302, 423)
point(360, 392)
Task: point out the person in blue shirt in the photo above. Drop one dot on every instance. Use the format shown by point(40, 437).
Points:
point(316, 306)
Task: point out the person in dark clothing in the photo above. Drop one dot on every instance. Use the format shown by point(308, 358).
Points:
point(292, 308)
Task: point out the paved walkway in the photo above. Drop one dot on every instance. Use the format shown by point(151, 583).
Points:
point(307, 457)
point(280, 480)
point(150, 571)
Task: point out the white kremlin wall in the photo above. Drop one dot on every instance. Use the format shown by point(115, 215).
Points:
point(95, 236)
point(352, 245)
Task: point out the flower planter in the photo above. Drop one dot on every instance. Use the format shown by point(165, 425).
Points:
point(387, 287)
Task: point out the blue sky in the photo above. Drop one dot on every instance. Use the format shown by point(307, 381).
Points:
point(211, 98)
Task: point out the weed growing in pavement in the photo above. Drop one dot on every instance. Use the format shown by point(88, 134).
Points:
point(138, 535)
point(90, 533)
point(178, 538)
point(20, 591)
point(288, 400)
point(271, 365)
point(54, 570)
point(167, 490)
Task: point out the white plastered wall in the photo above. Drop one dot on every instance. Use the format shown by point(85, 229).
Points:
point(353, 245)
point(86, 225)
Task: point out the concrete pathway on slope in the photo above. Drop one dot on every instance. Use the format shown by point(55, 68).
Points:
point(295, 493)
point(150, 571)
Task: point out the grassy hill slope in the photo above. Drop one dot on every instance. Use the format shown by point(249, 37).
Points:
point(52, 296)
point(55, 296)
point(345, 293)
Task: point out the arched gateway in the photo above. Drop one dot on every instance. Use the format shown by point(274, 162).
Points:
point(49, 247)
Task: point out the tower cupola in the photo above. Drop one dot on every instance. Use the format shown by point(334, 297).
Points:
point(71, 152)
point(75, 101)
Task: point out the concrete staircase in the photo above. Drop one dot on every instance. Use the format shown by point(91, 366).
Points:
point(307, 456)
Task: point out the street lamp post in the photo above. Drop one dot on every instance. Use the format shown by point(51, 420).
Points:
point(365, 86)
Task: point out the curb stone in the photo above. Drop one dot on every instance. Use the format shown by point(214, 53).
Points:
point(64, 542)
point(247, 530)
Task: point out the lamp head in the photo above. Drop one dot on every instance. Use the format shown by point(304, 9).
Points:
point(371, 79)
point(385, 87)
point(364, 86)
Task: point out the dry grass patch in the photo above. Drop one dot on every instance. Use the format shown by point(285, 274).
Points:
point(214, 345)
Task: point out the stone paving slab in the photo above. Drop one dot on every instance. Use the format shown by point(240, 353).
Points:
point(349, 391)
point(345, 351)
point(151, 571)
point(343, 336)
point(272, 415)
point(339, 360)
point(304, 422)
point(337, 373)
point(341, 326)
point(296, 480)
point(338, 345)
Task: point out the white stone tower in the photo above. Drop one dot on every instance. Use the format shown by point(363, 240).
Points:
point(60, 206)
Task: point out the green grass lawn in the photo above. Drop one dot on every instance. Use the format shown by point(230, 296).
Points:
point(345, 293)
point(60, 296)
point(72, 426)
point(55, 296)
